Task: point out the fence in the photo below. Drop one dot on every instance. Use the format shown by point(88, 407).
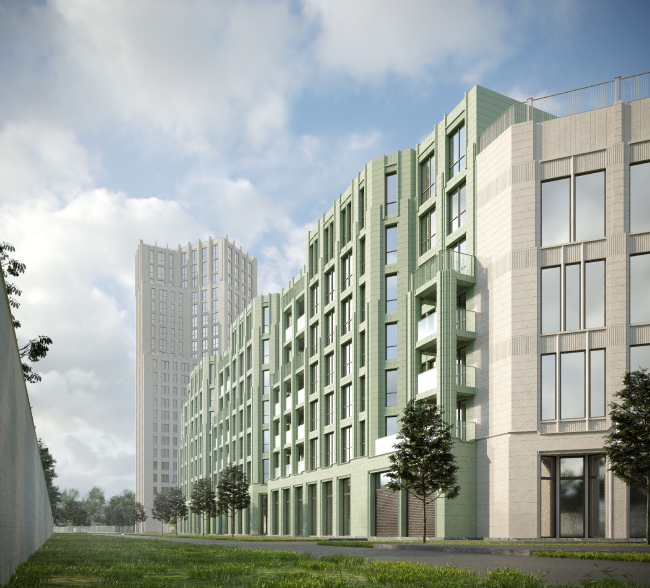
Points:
point(94, 529)
point(564, 104)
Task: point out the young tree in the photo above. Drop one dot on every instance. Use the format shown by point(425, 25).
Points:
point(94, 502)
point(139, 513)
point(202, 500)
point(35, 349)
point(628, 447)
point(233, 494)
point(423, 464)
point(53, 492)
point(71, 511)
point(120, 510)
point(178, 506)
point(161, 510)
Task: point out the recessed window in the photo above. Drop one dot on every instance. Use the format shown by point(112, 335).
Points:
point(346, 272)
point(346, 359)
point(346, 316)
point(457, 209)
point(427, 231)
point(391, 426)
point(640, 197)
point(427, 179)
point(346, 445)
point(391, 341)
point(391, 245)
point(457, 151)
point(391, 293)
point(590, 206)
point(391, 194)
point(346, 401)
point(391, 387)
point(640, 288)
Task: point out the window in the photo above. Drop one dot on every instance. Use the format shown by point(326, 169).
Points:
point(346, 401)
point(313, 378)
point(590, 206)
point(265, 319)
point(346, 360)
point(556, 212)
point(346, 272)
point(572, 385)
point(362, 208)
point(313, 416)
point(346, 224)
point(362, 394)
point(267, 441)
point(329, 328)
point(329, 408)
point(597, 383)
point(265, 351)
point(594, 294)
point(457, 209)
point(391, 387)
point(346, 444)
point(639, 288)
point(265, 478)
point(329, 449)
point(391, 293)
point(329, 286)
point(362, 256)
point(313, 259)
point(457, 151)
point(391, 426)
point(362, 303)
point(427, 179)
point(329, 369)
point(550, 300)
point(640, 197)
point(391, 341)
point(313, 340)
point(362, 349)
point(266, 382)
point(639, 357)
point(391, 194)
point(427, 231)
point(391, 245)
point(346, 316)
point(314, 295)
point(571, 297)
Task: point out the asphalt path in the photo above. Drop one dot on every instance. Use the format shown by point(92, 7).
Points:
point(556, 570)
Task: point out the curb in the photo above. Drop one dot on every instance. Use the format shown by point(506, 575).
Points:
point(457, 549)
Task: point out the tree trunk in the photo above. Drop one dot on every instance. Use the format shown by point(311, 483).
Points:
point(162, 527)
point(424, 514)
point(232, 528)
point(647, 510)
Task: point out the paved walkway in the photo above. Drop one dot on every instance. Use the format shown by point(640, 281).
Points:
point(480, 558)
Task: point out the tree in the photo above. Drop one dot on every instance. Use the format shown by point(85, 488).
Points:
point(120, 510)
point(53, 492)
point(35, 349)
point(95, 503)
point(178, 506)
point(233, 493)
point(161, 509)
point(71, 510)
point(202, 500)
point(628, 447)
point(423, 464)
point(139, 513)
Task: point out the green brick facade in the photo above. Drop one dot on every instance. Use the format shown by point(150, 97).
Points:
point(223, 418)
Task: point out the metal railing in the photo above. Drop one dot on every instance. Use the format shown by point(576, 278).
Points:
point(465, 430)
point(465, 320)
point(427, 380)
point(427, 326)
point(426, 272)
point(465, 376)
point(586, 99)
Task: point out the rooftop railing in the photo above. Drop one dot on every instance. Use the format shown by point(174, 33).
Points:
point(586, 99)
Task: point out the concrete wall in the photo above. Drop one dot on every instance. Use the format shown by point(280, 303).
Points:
point(25, 513)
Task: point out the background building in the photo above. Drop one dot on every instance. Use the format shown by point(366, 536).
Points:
point(500, 269)
point(186, 299)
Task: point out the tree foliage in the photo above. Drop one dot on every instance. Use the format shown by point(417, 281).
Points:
point(203, 500)
point(423, 463)
point(72, 510)
point(628, 447)
point(140, 513)
point(120, 510)
point(178, 505)
point(53, 492)
point(169, 506)
point(35, 349)
point(233, 493)
point(95, 503)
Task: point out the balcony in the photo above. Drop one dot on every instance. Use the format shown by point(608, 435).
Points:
point(466, 376)
point(427, 381)
point(221, 390)
point(300, 325)
point(464, 430)
point(427, 326)
point(277, 441)
point(301, 467)
point(277, 473)
point(228, 385)
point(288, 469)
point(465, 324)
point(287, 436)
point(299, 360)
point(277, 409)
point(301, 432)
point(287, 403)
point(385, 444)
point(288, 334)
point(301, 396)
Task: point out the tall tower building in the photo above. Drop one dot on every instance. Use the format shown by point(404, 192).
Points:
point(186, 300)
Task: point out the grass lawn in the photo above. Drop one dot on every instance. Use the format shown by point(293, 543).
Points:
point(608, 555)
point(100, 561)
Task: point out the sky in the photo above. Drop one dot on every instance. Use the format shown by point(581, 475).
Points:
point(173, 120)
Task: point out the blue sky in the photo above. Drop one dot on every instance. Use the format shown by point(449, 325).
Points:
point(170, 120)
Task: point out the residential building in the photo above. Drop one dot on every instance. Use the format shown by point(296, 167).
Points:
point(186, 299)
point(499, 269)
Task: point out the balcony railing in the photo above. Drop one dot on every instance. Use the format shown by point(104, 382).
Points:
point(287, 436)
point(301, 396)
point(301, 467)
point(465, 430)
point(426, 272)
point(288, 333)
point(299, 360)
point(466, 376)
point(228, 385)
point(277, 409)
point(427, 326)
point(427, 380)
point(300, 325)
point(465, 320)
point(287, 403)
point(460, 262)
point(286, 368)
point(277, 441)
point(277, 473)
point(288, 469)
point(301, 432)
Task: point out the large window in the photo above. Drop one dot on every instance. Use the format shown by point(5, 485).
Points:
point(427, 231)
point(329, 369)
point(391, 426)
point(346, 444)
point(572, 385)
point(329, 286)
point(329, 408)
point(640, 288)
point(640, 197)
point(346, 360)
point(391, 194)
point(362, 256)
point(329, 449)
point(391, 341)
point(551, 299)
point(329, 328)
point(346, 401)
point(314, 295)
point(391, 387)
point(427, 179)
point(391, 245)
point(346, 271)
point(639, 357)
point(457, 209)
point(346, 316)
point(391, 294)
point(573, 217)
point(457, 151)
point(265, 351)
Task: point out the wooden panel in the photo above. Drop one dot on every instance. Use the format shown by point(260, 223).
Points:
point(386, 513)
point(415, 518)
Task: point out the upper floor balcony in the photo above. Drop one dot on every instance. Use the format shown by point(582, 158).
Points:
point(462, 264)
point(465, 324)
point(427, 381)
point(300, 324)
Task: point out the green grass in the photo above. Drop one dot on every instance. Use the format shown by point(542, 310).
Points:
point(228, 537)
point(119, 562)
point(346, 543)
point(608, 555)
